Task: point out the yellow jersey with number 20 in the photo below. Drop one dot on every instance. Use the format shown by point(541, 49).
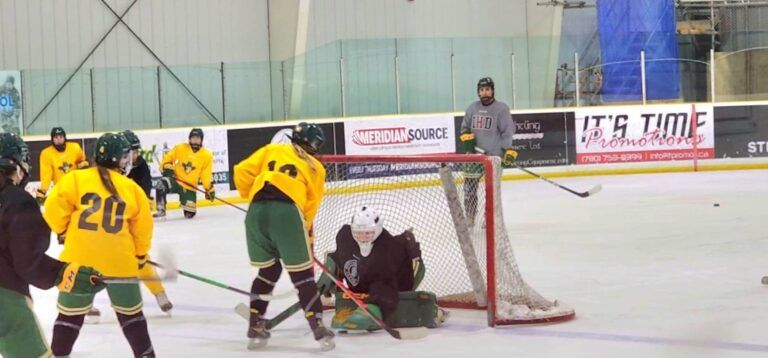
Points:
point(102, 231)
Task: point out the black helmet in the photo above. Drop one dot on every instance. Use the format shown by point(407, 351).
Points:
point(56, 131)
point(132, 138)
point(110, 149)
point(308, 136)
point(485, 82)
point(13, 153)
point(196, 132)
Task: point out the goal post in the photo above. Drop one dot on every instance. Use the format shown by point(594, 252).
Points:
point(453, 204)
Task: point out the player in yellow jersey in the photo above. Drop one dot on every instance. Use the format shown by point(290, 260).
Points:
point(186, 165)
point(58, 159)
point(285, 184)
point(106, 219)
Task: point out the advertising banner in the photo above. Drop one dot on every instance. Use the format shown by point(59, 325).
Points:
point(541, 139)
point(643, 133)
point(156, 143)
point(10, 102)
point(400, 136)
point(742, 131)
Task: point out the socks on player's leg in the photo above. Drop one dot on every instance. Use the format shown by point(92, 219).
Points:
point(65, 332)
point(136, 332)
point(264, 283)
point(309, 298)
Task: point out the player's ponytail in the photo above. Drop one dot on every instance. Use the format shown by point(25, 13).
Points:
point(107, 181)
point(304, 155)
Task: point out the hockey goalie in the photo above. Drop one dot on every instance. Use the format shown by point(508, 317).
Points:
point(384, 271)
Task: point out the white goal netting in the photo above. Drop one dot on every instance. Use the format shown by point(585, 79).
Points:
point(444, 213)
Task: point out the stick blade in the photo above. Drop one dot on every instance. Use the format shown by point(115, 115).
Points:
point(596, 189)
point(168, 269)
point(243, 311)
point(411, 333)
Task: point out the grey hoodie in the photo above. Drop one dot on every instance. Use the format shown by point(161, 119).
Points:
point(492, 125)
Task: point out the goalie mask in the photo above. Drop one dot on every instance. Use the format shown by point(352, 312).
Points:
point(366, 228)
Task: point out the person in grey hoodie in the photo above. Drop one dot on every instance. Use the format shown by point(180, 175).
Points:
point(487, 128)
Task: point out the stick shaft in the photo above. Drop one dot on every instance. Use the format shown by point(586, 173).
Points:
point(203, 279)
point(203, 191)
point(551, 182)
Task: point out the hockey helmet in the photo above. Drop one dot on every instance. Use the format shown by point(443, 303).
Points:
point(309, 136)
point(485, 82)
point(366, 227)
point(132, 138)
point(196, 132)
point(111, 150)
point(14, 154)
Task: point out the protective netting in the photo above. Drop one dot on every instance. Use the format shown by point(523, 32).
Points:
point(408, 193)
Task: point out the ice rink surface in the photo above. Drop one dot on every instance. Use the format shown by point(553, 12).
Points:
point(651, 266)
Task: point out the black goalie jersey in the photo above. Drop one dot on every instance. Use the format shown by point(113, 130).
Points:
point(390, 263)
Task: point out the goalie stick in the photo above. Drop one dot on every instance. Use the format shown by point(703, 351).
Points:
point(406, 333)
point(253, 296)
point(582, 194)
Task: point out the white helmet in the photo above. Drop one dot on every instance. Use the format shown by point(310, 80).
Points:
point(366, 228)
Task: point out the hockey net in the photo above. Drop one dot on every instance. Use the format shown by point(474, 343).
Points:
point(468, 258)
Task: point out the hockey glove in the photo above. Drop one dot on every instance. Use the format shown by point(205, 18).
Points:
point(468, 142)
point(83, 165)
point(142, 260)
point(40, 196)
point(412, 246)
point(210, 194)
point(81, 280)
point(510, 155)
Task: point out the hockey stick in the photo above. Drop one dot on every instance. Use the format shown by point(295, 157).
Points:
point(112, 279)
point(198, 189)
point(253, 296)
point(245, 312)
point(408, 333)
point(596, 189)
point(203, 191)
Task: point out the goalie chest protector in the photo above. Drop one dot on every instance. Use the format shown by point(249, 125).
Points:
point(388, 262)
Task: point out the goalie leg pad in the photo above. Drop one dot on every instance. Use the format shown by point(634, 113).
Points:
point(350, 317)
point(414, 309)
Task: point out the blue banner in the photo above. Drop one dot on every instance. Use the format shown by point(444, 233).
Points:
point(626, 28)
